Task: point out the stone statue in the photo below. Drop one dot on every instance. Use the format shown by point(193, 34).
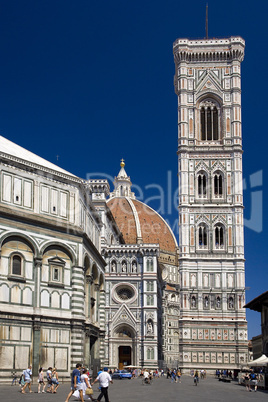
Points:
point(134, 267)
point(149, 327)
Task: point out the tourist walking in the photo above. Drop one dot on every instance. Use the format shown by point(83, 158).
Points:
point(76, 383)
point(253, 381)
point(85, 386)
point(55, 380)
point(49, 380)
point(196, 377)
point(27, 379)
point(247, 379)
point(104, 379)
point(178, 374)
point(41, 381)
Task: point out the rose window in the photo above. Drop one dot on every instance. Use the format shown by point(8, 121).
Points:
point(125, 293)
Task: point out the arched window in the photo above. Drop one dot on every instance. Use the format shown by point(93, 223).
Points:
point(16, 265)
point(219, 236)
point(150, 353)
point(209, 119)
point(218, 185)
point(202, 237)
point(150, 265)
point(202, 185)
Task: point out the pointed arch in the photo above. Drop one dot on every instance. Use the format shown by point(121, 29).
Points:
point(124, 330)
point(202, 184)
point(218, 184)
point(209, 118)
point(202, 235)
point(113, 266)
point(219, 234)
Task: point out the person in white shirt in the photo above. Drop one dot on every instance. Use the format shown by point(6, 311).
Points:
point(104, 379)
point(147, 377)
point(27, 378)
point(145, 374)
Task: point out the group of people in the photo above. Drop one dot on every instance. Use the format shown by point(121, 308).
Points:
point(151, 373)
point(81, 387)
point(251, 381)
point(174, 375)
point(51, 380)
point(224, 373)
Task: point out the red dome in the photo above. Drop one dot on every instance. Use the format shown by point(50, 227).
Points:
point(141, 224)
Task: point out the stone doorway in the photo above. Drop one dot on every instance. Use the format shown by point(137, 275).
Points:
point(124, 356)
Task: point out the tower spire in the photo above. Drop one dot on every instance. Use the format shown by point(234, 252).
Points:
point(122, 184)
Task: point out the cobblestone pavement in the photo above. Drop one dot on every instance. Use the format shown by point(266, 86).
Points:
point(209, 390)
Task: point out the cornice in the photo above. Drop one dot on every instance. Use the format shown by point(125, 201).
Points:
point(209, 50)
point(205, 149)
point(41, 168)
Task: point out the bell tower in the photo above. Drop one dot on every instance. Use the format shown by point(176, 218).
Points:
point(213, 327)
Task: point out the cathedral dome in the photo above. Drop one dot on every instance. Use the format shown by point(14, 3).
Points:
point(138, 222)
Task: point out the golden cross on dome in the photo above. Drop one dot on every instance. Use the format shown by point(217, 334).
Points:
point(122, 164)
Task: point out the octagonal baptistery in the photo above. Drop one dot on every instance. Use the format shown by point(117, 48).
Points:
point(140, 224)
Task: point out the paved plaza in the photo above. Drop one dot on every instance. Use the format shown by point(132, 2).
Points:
point(161, 390)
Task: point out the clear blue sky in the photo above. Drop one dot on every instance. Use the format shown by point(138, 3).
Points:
point(92, 81)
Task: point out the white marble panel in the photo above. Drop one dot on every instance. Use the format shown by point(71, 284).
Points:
point(55, 300)
point(15, 294)
point(4, 293)
point(44, 298)
point(27, 296)
point(26, 334)
point(22, 357)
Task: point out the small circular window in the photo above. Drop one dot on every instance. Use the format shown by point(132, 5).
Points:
point(124, 292)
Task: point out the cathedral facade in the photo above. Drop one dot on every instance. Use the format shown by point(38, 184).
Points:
point(136, 291)
point(96, 276)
